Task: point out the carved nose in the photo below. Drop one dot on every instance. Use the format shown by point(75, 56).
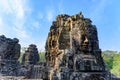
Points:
point(86, 41)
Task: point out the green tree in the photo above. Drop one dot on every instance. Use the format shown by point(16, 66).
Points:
point(112, 60)
point(42, 56)
point(108, 57)
point(23, 49)
point(116, 65)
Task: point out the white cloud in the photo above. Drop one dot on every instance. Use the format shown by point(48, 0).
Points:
point(50, 14)
point(1, 22)
point(20, 33)
point(19, 22)
point(98, 9)
point(15, 11)
point(16, 7)
point(15, 17)
point(19, 9)
point(16, 21)
point(36, 24)
point(5, 6)
point(60, 6)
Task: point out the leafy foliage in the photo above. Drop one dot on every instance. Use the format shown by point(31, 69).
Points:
point(21, 54)
point(116, 65)
point(108, 57)
point(112, 60)
point(42, 56)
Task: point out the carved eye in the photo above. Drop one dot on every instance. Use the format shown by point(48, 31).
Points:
point(53, 43)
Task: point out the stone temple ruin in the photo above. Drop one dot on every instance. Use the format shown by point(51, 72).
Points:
point(9, 54)
point(72, 53)
point(72, 50)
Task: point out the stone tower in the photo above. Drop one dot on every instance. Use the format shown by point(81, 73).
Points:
point(9, 55)
point(72, 50)
point(31, 55)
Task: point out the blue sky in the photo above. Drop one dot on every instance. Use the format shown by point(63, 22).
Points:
point(30, 20)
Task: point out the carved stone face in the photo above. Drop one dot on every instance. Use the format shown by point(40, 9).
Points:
point(76, 35)
point(85, 41)
point(64, 39)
